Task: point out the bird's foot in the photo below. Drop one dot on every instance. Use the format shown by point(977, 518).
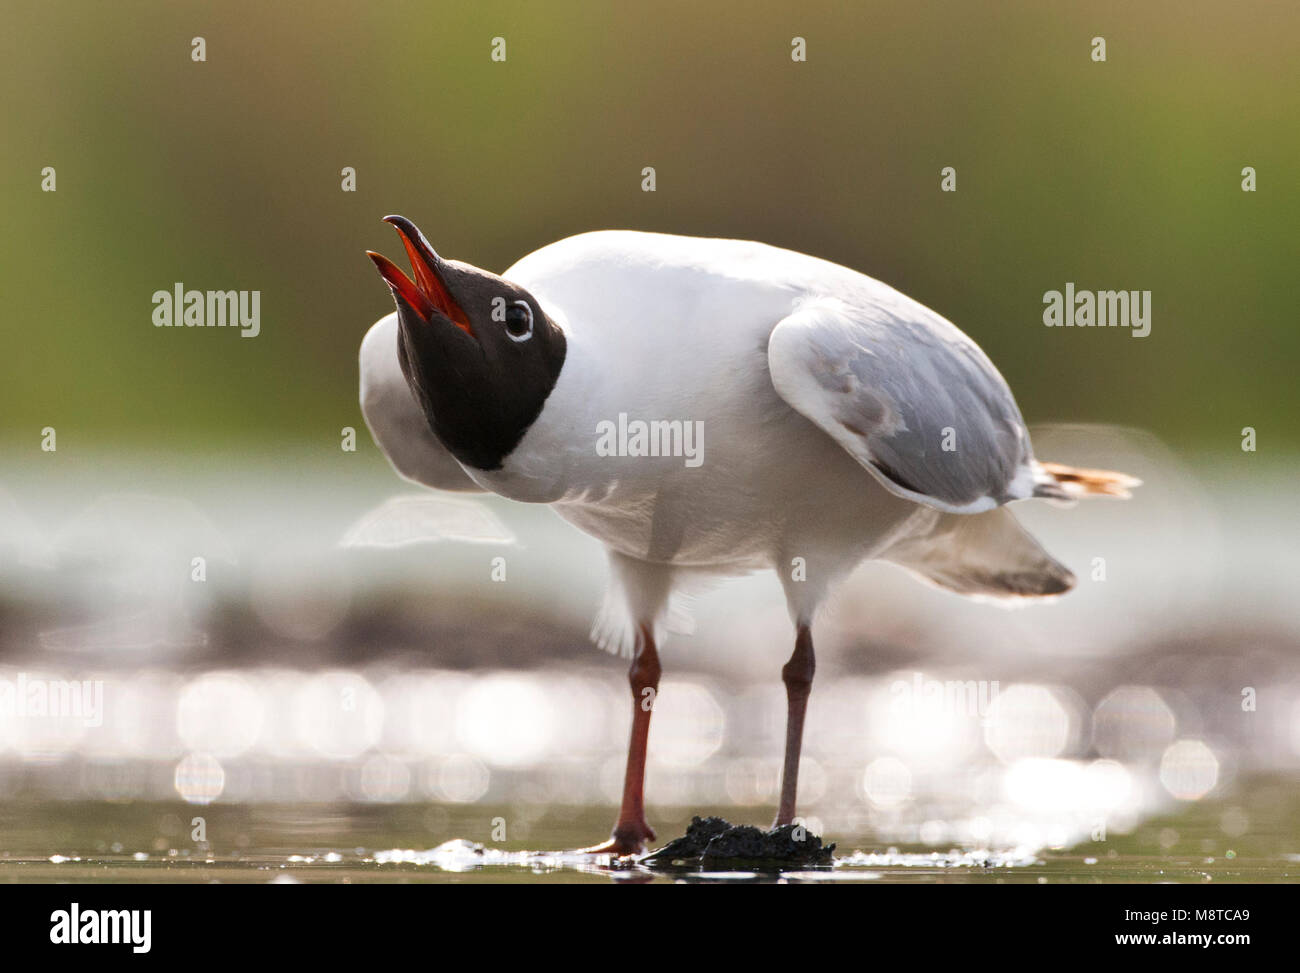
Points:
point(627, 839)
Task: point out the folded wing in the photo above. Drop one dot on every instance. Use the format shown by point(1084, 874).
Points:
point(909, 396)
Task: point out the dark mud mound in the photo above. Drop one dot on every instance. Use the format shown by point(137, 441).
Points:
point(714, 843)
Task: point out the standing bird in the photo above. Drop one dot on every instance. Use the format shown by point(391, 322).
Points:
point(835, 420)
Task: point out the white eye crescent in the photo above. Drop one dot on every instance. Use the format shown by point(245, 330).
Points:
point(519, 321)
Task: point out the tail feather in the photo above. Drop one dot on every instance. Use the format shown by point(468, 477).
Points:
point(983, 555)
point(1060, 482)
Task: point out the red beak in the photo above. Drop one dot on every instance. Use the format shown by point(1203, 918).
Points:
point(427, 293)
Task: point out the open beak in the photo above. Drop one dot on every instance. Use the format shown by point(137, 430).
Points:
point(428, 292)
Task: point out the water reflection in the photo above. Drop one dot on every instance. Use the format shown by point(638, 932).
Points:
point(1027, 774)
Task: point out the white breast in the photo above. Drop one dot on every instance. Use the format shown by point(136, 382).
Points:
point(676, 328)
point(396, 423)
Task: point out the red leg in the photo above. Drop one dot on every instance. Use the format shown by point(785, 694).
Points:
point(631, 830)
point(797, 674)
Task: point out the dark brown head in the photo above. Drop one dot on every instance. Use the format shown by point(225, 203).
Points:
point(478, 352)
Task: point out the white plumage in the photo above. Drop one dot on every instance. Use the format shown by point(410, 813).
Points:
point(825, 398)
point(841, 421)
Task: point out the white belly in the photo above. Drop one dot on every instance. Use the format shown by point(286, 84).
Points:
point(755, 502)
point(769, 485)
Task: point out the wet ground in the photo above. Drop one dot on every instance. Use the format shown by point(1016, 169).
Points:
point(1252, 835)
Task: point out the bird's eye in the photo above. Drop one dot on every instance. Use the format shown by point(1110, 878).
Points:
point(519, 321)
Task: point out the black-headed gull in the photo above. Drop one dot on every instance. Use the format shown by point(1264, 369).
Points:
point(712, 407)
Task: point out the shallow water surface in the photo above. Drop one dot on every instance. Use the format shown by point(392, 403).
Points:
point(1209, 841)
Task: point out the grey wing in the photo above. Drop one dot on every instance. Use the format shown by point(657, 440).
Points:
point(395, 421)
point(909, 396)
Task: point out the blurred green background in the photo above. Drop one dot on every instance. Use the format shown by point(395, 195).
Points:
point(226, 174)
